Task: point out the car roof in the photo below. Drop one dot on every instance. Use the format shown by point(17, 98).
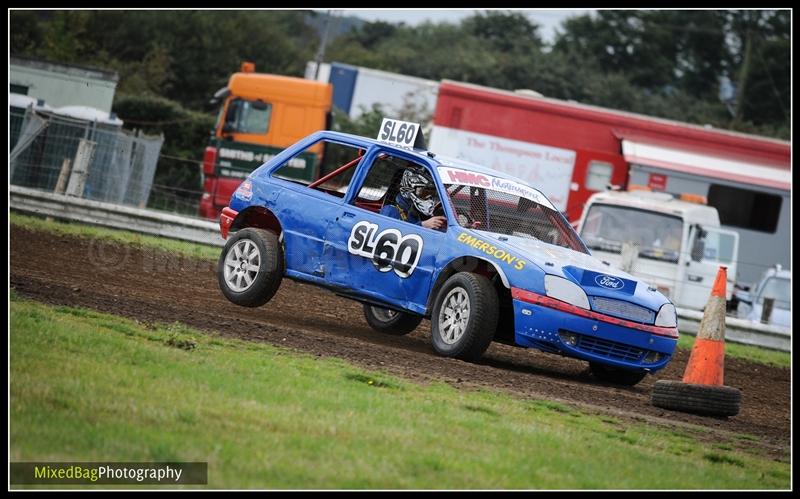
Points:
point(475, 167)
point(779, 273)
point(660, 202)
point(421, 153)
point(440, 160)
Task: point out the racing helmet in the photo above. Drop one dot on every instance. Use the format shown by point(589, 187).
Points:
point(419, 190)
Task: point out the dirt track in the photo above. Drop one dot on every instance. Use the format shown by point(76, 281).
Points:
point(154, 286)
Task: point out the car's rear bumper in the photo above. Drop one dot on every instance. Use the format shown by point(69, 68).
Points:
point(613, 343)
point(226, 219)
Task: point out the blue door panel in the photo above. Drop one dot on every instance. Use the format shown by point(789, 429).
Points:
point(369, 251)
point(304, 229)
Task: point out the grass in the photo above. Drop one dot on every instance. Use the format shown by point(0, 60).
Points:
point(748, 352)
point(87, 386)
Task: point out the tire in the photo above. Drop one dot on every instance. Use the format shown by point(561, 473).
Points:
point(389, 321)
point(618, 376)
point(710, 400)
point(471, 301)
point(256, 285)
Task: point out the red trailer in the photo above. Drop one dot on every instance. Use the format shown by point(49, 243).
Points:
point(576, 149)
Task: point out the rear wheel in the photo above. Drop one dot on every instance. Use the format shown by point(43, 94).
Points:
point(388, 321)
point(250, 268)
point(464, 317)
point(615, 375)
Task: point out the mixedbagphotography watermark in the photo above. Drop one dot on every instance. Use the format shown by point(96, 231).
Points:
point(94, 473)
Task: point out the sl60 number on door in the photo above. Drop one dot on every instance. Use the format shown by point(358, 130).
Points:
point(388, 249)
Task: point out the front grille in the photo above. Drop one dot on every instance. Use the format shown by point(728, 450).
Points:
point(610, 349)
point(623, 310)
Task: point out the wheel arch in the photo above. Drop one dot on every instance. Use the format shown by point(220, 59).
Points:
point(466, 263)
point(258, 217)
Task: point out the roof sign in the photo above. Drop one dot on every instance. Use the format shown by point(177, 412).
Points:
point(401, 133)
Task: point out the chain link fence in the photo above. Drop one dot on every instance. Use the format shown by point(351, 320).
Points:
point(49, 150)
point(175, 200)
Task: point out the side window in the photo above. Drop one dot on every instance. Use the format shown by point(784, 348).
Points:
point(745, 208)
point(245, 116)
point(382, 183)
point(598, 175)
point(718, 247)
point(326, 166)
point(381, 190)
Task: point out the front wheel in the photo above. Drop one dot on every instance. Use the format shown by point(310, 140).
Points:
point(464, 317)
point(615, 375)
point(389, 321)
point(250, 268)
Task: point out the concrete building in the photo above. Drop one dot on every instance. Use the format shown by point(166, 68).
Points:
point(62, 84)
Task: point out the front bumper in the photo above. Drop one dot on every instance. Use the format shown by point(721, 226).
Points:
point(600, 338)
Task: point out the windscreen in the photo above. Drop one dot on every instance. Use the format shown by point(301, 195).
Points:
point(501, 212)
point(245, 116)
point(658, 236)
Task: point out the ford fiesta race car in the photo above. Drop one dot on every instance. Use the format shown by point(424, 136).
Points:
point(412, 235)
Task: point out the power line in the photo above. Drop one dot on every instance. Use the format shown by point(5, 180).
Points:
point(158, 123)
point(181, 159)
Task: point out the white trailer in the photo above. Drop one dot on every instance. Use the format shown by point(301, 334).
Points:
point(356, 89)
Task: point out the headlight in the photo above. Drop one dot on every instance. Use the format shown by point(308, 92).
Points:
point(566, 291)
point(667, 317)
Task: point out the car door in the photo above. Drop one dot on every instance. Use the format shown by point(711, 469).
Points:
point(377, 256)
point(710, 248)
point(306, 210)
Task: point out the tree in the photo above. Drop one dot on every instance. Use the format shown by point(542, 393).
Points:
point(760, 66)
point(675, 61)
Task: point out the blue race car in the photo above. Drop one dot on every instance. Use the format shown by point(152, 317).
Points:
point(412, 235)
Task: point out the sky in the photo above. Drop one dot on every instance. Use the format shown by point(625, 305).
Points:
point(548, 19)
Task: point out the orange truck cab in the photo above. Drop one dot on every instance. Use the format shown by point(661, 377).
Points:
point(260, 115)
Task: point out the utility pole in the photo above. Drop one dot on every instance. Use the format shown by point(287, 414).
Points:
point(322, 43)
point(743, 74)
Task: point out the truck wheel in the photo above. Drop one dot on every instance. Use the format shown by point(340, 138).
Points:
point(388, 321)
point(711, 400)
point(464, 317)
point(250, 268)
point(615, 375)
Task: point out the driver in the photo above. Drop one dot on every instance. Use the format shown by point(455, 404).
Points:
point(416, 202)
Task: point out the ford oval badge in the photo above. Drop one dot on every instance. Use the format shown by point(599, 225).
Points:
point(607, 281)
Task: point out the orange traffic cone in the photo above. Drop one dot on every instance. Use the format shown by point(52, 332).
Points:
point(702, 390)
point(706, 364)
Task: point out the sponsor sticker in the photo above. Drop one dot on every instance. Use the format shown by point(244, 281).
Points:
point(489, 249)
point(245, 190)
point(474, 179)
point(610, 282)
point(388, 249)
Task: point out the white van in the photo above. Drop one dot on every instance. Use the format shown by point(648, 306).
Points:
point(776, 283)
point(676, 245)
